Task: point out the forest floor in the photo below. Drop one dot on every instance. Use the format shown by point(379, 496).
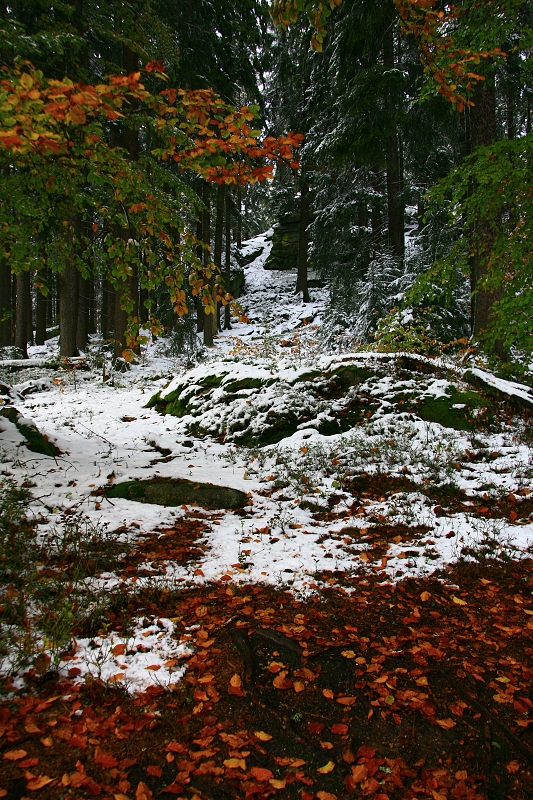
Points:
point(282, 572)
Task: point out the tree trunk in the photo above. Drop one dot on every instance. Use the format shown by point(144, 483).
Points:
point(6, 307)
point(395, 206)
point(219, 237)
point(303, 241)
point(22, 312)
point(239, 216)
point(209, 319)
point(41, 304)
point(82, 328)
point(227, 274)
point(68, 310)
point(91, 303)
point(483, 132)
point(200, 316)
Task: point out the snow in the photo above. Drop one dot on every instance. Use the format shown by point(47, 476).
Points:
point(105, 433)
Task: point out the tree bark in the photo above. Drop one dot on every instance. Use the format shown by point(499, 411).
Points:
point(483, 132)
point(6, 307)
point(82, 328)
point(200, 316)
point(41, 304)
point(68, 310)
point(395, 206)
point(22, 312)
point(209, 319)
point(303, 241)
point(219, 237)
point(239, 217)
point(227, 273)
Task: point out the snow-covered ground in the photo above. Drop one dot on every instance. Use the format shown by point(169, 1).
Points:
point(303, 520)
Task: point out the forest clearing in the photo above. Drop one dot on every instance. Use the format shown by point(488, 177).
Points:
point(266, 452)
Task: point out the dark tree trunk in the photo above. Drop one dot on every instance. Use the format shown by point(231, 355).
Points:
point(41, 304)
point(82, 329)
point(143, 311)
point(68, 310)
point(200, 316)
point(219, 238)
point(303, 241)
point(209, 319)
point(6, 308)
point(239, 217)
point(22, 312)
point(375, 217)
point(227, 273)
point(395, 206)
point(483, 132)
point(91, 303)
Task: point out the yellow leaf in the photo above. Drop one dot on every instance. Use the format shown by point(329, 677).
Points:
point(329, 767)
point(262, 736)
point(277, 784)
point(458, 601)
point(348, 654)
point(235, 763)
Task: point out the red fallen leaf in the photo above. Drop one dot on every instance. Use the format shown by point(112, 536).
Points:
point(281, 681)
point(346, 701)
point(176, 747)
point(74, 672)
point(174, 788)
point(512, 767)
point(154, 771)
point(28, 762)
point(359, 773)
point(261, 774)
point(143, 792)
point(446, 723)
point(104, 760)
point(154, 667)
point(34, 784)
point(78, 741)
point(513, 516)
point(316, 727)
point(339, 728)
point(366, 752)
point(119, 649)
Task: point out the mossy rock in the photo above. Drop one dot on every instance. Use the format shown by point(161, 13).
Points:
point(154, 401)
point(177, 492)
point(441, 409)
point(212, 381)
point(351, 375)
point(35, 440)
point(244, 383)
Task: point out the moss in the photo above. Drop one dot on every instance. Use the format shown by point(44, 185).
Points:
point(35, 440)
point(175, 492)
point(212, 381)
point(244, 383)
point(441, 409)
point(154, 400)
point(350, 375)
point(177, 408)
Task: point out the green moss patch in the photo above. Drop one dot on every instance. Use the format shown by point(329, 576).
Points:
point(244, 383)
point(35, 440)
point(177, 492)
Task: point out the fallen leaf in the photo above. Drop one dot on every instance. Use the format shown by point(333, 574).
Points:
point(316, 727)
point(28, 762)
point(47, 741)
point(425, 596)
point(458, 600)
point(262, 736)
point(281, 681)
point(14, 755)
point(339, 728)
point(329, 767)
point(117, 677)
point(461, 775)
point(104, 760)
point(119, 649)
point(277, 784)
point(299, 686)
point(328, 694)
point(235, 763)
point(359, 773)
point(34, 784)
point(326, 796)
point(154, 771)
point(512, 767)
point(446, 723)
point(348, 654)
point(346, 701)
point(261, 774)
point(143, 792)
point(154, 667)
point(176, 747)
point(236, 681)
point(326, 745)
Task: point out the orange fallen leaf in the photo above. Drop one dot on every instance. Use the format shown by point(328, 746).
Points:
point(339, 728)
point(281, 681)
point(236, 681)
point(458, 601)
point(261, 774)
point(117, 677)
point(154, 667)
point(262, 736)
point(119, 649)
point(359, 773)
point(348, 654)
point(425, 596)
point(31, 727)
point(326, 745)
point(143, 792)
point(121, 796)
point(34, 784)
point(3, 792)
point(512, 767)
point(446, 723)
point(328, 693)
point(14, 755)
point(154, 771)
point(346, 701)
point(47, 741)
point(104, 760)
point(461, 775)
point(326, 796)
point(235, 763)
point(278, 784)
point(299, 686)
point(329, 767)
